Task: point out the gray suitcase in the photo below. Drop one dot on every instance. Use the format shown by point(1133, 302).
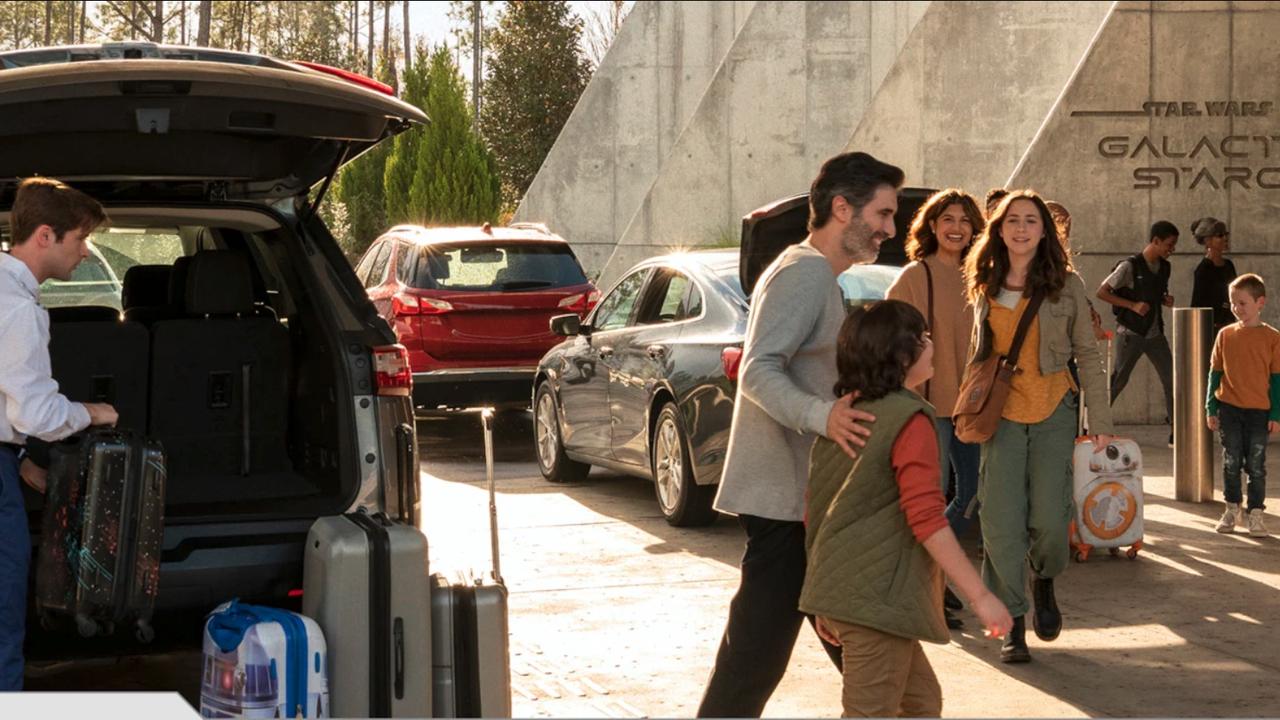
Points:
point(471, 657)
point(365, 583)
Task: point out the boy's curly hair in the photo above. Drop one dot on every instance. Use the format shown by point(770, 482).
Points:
point(876, 346)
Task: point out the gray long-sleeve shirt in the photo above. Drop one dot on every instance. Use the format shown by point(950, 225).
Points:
point(785, 386)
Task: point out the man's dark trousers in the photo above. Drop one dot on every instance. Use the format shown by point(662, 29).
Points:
point(15, 557)
point(1130, 347)
point(764, 620)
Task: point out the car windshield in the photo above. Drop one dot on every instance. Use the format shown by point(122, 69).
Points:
point(493, 267)
point(864, 284)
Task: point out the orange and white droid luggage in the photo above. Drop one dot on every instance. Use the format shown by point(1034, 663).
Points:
point(1108, 498)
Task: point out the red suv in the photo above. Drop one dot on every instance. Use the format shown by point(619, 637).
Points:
point(473, 306)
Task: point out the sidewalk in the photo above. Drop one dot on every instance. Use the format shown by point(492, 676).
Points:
point(1187, 629)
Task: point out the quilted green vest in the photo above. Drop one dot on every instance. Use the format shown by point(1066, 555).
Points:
point(864, 565)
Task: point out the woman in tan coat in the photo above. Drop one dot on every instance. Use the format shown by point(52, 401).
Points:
point(940, 236)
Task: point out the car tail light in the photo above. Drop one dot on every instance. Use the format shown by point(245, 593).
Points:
point(582, 303)
point(358, 79)
point(731, 358)
point(391, 370)
point(403, 304)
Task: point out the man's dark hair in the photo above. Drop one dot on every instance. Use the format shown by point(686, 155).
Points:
point(994, 196)
point(46, 201)
point(876, 346)
point(1163, 230)
point(854, 176)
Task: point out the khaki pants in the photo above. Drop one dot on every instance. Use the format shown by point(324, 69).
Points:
point(885, 675)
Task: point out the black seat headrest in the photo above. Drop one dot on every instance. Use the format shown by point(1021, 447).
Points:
point(178, 282)
point(83, 313)
point(219, 282)
point(146, 286)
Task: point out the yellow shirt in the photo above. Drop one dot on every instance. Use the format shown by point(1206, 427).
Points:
point(1032, 397)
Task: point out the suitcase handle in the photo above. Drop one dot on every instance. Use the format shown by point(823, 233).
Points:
point(486, 419)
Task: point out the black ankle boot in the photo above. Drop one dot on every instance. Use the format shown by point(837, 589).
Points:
point(1047, 620)
point(1015, 649)
point(950, 601)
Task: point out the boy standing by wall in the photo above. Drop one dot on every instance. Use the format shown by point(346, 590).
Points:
point(1244, 401)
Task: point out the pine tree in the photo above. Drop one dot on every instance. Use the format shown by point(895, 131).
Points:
point(536, 73)
point(440, 174)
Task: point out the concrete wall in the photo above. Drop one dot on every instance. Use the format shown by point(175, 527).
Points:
point(624, 126)
point(960, 107)
point(787, 96)
point(1091, 153)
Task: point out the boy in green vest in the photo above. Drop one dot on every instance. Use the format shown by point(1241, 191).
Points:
point(1244, 401)
point(877, 538)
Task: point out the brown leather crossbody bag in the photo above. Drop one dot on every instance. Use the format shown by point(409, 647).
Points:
point(985, 386)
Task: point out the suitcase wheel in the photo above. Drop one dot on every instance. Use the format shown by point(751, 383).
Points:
point(1082, 555)
point(86, 626)
point(1114, 551)
point(1132, 552)
point(144, 632)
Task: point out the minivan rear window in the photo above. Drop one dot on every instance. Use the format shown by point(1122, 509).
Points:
point(494, 267)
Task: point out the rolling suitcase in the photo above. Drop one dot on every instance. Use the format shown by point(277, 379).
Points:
point(261, 662)
point(101, 532)
point(471, 657)
point(1108, 498)
point(365, 582)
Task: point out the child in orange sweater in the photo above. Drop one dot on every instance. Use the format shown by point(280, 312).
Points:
point(1243, 402)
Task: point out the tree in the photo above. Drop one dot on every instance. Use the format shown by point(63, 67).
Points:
point(602, 28)
point(535, 76)
point(206, 19)
point(442, 173)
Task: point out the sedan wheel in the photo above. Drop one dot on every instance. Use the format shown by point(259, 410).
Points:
point(555, 465)
point(682, 501)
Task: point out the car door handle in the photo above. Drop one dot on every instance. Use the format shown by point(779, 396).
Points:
point(657, 352)
point(605, 352)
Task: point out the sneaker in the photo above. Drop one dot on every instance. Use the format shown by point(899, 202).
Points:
point(1170, 439)
point(1256, 528)
point(1229, 518)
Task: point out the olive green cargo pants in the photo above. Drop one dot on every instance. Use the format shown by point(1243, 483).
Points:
point(1026, 501)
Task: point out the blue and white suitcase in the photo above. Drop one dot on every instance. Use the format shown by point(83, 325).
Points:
point(262, 662)
point(1108, 498)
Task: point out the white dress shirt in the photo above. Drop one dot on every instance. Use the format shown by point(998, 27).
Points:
point(30, 404)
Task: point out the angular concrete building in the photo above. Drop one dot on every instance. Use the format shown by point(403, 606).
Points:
point(1126, 112)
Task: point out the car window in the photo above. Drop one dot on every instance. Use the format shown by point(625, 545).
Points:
point(664, 299)
point(378, 270)
point(692, 304)
point(615, 309)
point(405, 268)
point(362, 267)
point(864, 284)
point(497, 267)
point(97, 280)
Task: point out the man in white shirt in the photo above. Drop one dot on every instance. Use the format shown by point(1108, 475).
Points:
point(49, 223)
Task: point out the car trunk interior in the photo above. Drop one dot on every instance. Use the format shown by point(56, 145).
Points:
point(224, 356)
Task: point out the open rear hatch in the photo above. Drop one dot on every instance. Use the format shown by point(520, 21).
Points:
point(769, 230)
point(188, 128)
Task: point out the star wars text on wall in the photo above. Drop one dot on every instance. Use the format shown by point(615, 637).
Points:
point(1190, 161)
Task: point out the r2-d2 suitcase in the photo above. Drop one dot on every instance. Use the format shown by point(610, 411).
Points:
point(1108, 498)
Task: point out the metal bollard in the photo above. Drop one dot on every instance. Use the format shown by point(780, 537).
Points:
point(1192, 441)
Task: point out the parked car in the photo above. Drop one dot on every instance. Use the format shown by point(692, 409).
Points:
point(472, 306)
point(256, 358)
point(645, 384)
point(92, 283)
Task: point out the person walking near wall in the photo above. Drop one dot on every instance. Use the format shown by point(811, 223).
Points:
point(49, 223)
point(1215, 272)
point(1138, 290)
point(783, 404)
point(940, 235)
point(1026, 465)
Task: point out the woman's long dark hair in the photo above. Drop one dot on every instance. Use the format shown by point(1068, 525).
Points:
point(921, 240)
point(988, 262)
point(876, 346)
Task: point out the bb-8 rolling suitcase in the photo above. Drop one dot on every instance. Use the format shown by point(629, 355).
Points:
point(1108, 498)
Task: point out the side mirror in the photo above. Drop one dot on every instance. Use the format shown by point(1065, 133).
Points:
point(569, 325)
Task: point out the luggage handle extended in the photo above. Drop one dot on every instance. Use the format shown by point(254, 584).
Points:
point(486, 419)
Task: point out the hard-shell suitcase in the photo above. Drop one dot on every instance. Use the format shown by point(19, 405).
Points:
point(471, 657)
point(103, 523)
point(365, 582)
point(1108, 498)
point(262, 662)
